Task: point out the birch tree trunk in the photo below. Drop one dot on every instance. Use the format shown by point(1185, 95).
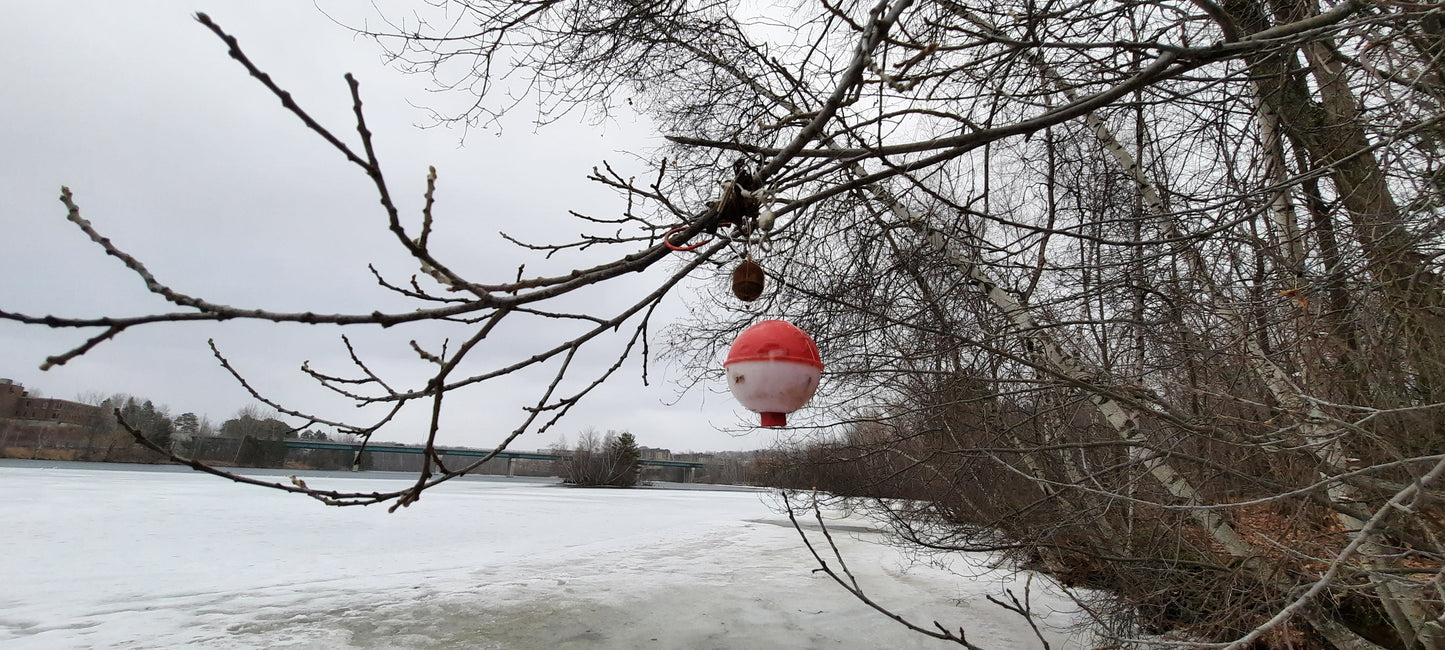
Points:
point(1119, 417)
point(1327, 127)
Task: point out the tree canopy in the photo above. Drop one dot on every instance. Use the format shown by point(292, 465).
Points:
point(1168, 271)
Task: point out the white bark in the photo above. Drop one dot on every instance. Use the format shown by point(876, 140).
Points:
point(1403, 608)
point(1121, 418)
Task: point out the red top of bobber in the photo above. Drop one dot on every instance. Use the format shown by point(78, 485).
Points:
point(775, 340)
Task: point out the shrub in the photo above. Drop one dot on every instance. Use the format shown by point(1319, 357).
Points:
point(610, 459)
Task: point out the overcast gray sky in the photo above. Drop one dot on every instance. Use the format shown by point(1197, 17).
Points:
point(188, 164)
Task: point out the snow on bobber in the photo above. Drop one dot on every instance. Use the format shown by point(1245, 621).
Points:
point(773, 369)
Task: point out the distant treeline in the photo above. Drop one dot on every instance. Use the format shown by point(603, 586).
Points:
point(255, 437)
point(251, 438)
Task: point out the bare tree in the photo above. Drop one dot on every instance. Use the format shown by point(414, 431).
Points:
point(1146, 293)
point(609, 459)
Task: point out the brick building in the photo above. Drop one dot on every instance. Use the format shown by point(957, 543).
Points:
point(16, 404)
point(11, 395)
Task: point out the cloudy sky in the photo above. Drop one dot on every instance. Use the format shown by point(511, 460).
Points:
point(189, 165)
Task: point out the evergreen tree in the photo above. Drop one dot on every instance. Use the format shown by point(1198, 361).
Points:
point(187, 424)
point(246, 425)
point(146, 418)
point(626, 458)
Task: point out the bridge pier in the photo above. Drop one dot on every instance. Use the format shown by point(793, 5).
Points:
point(510, 460)
point(687, 478)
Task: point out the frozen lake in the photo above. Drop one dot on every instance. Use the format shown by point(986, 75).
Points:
point(142, 557)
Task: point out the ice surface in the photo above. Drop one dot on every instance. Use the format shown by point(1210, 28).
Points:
point(140, 558)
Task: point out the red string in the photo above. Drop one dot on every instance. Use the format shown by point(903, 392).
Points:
point(667, 239)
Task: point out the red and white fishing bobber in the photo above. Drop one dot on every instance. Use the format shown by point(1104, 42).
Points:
point(773, 369)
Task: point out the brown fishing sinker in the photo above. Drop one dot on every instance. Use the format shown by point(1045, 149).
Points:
point(748, 280)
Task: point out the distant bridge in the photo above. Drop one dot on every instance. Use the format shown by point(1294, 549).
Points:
point(476, 453)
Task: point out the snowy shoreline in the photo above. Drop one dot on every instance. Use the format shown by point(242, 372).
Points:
point(143, 557)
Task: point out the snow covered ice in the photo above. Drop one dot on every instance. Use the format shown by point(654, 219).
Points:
point(144, 557)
